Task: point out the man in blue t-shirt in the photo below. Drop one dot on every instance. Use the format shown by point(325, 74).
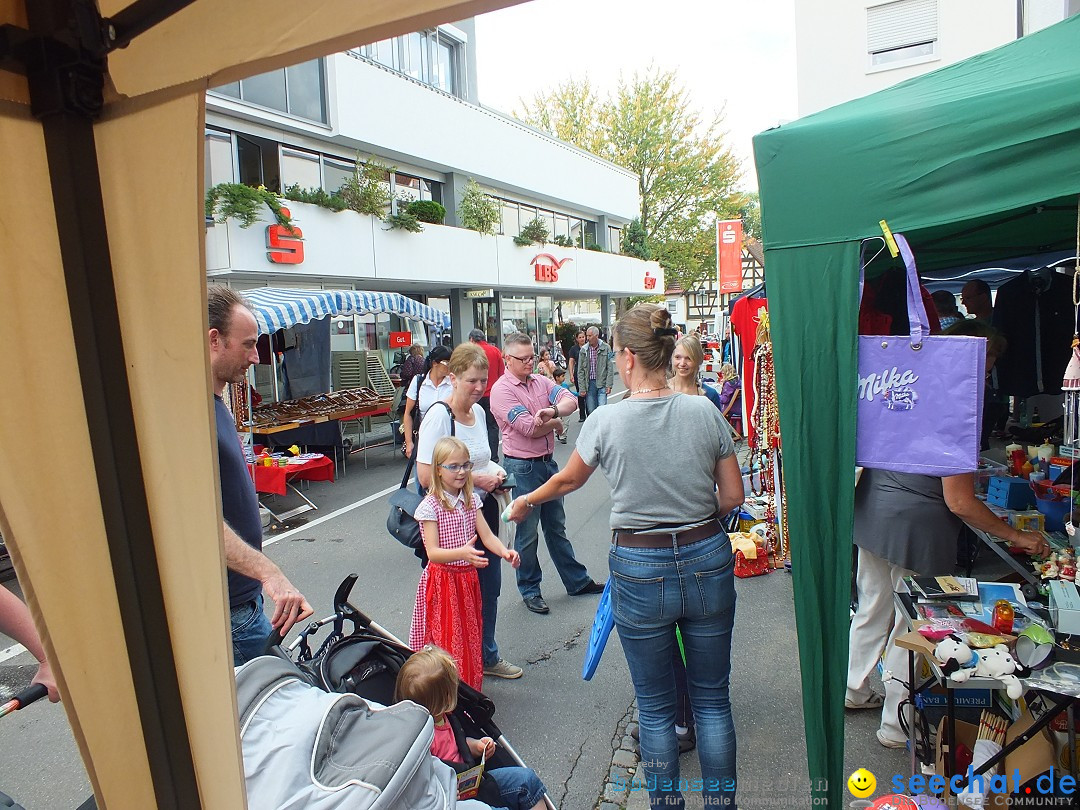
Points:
point(233, 334)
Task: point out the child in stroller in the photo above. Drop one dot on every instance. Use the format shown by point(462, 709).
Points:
point(430, 678)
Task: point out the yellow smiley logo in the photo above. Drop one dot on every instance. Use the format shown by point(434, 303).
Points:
point(861, 783)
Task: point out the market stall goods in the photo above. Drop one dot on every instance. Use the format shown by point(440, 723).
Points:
point(335, 405)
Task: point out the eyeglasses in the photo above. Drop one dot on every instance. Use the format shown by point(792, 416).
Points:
point(454, 468)
point(527, 360)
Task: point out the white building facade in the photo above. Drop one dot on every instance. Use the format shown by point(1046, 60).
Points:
point(846, 49)
point(410, 103)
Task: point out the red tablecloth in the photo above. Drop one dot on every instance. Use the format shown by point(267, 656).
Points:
point(273, 479)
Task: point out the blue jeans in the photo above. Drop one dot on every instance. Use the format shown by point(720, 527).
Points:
point(654, 590)
point(250, 630)
point(530, 475)
point(490, 585)
point(519, 788)
point(595, 397)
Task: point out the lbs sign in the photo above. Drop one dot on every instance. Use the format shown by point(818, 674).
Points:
point(547, 267)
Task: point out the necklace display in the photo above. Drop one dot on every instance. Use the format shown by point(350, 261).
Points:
point(766, 446)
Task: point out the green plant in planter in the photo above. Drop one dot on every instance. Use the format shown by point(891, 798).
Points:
point(478, 211)
point(403, 221)
point(535, 230)
point(243, 203)
point(315, 196)
point(593, 246)
point(368, 190)
point(563, 241)
point(427, 211)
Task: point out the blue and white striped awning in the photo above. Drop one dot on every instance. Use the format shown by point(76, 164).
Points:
point(277, 308)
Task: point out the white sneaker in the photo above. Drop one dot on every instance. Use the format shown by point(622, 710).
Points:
point(889, 742)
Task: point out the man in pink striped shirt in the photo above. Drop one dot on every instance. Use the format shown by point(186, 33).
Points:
point(528, 408)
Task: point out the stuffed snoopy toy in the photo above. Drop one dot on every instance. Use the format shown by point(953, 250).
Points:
point(960, 662)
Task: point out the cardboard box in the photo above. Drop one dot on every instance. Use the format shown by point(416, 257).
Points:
point(1065, 606)
point(1033, 758)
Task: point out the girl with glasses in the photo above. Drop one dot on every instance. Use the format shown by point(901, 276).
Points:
point(447, 609)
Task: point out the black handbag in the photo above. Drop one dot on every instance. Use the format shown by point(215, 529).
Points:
point(403, 503)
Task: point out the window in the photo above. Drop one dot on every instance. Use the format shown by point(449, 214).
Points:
point(406, 188)
point(300, 168)
point(336, 172)
point(673, 305)
point(510, 225)
point(901, 32)
point(219, 158)
point(298, 90)
point(614, 239)
point(257, 162)
point(433, 57)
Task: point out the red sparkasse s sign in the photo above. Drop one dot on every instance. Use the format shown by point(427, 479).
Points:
point(547, 267)
point(282, 245)
point(729, 255)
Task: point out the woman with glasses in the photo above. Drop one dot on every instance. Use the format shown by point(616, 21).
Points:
point(426, 388)
point(670, 558)
point(460, 415)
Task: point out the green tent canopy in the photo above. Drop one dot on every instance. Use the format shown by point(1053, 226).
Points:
point(976, 162)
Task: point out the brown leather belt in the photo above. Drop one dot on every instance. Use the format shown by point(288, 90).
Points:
point(640, 540)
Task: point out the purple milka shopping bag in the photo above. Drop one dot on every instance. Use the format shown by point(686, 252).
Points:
point(920, 397)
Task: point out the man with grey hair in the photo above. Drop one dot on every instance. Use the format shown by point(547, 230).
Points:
point(529, 409)
point(495, 370)
point(594, 373)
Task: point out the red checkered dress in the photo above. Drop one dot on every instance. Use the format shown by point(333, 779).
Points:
point(447, 609)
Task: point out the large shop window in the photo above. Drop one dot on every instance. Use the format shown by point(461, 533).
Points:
point(299, 90)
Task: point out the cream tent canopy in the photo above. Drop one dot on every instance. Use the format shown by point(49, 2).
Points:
point(119, 551)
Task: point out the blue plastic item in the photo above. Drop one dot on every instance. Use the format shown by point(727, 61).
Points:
point(1055, 511)
point(601, 629)
point(1010, 493)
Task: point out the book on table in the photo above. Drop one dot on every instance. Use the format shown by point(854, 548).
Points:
point(964, 589)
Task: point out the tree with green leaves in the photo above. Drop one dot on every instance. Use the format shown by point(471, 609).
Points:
point(687, 174)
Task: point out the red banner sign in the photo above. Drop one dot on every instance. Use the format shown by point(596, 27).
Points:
point(729, 255)
point(400, 340)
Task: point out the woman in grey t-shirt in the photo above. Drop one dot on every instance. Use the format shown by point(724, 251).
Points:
point(670, 559)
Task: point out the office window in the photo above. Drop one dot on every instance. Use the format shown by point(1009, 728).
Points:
point(509, 223)
point(406, 187)
point(562, 226)
point(257, 162)
point(298, 90)
point(383, 52)
point(614, 239)
point(901, 32)
point(304, 85)
point(300, 168)
point(336, 172)
point(218, 156)
point(432, 57)
point(267, 89)
point(414, 58)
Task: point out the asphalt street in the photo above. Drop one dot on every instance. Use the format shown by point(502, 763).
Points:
point(564, 727)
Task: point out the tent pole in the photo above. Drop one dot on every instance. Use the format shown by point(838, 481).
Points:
point(66, 92)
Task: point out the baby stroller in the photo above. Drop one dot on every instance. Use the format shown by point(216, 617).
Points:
point(362, 664)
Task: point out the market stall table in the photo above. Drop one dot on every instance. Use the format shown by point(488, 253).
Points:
point(278, 480)
point(1054, 703)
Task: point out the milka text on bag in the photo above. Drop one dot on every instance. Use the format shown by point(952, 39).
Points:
point(894, 386)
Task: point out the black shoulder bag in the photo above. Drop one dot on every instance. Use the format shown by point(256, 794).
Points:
point(401, 522)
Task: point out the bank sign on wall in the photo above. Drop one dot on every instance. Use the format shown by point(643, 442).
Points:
point(351, 246)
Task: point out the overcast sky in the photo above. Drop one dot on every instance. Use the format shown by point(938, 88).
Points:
point(739, 56)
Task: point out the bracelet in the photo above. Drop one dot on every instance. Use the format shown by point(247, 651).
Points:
point(527, 503)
